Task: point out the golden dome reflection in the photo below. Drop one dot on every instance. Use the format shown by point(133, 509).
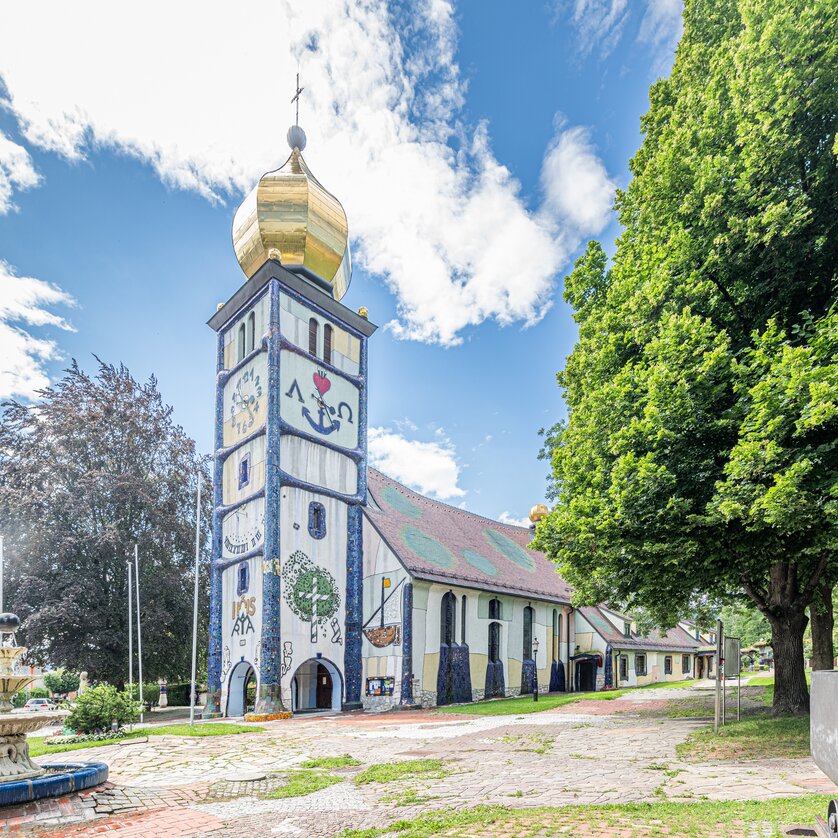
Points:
point(290, 216)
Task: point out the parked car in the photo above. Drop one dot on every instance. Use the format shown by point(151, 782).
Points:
point(40, 704)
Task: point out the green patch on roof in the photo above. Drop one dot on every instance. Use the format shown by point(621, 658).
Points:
point(427, 548)
point(508, 548)
point(400, 503)
point(479, 562)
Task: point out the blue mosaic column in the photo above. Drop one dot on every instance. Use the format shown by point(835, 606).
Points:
point(213, 707)
point(407, 645)
point(269, 699)
point(352, 661)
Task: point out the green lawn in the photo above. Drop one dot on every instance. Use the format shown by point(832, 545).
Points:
point(704, 819)
point(39, 746)
point(757, 738)
point(525, 704)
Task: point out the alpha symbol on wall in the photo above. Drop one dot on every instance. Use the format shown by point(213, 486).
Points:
point(329, 418)
point(310, 591)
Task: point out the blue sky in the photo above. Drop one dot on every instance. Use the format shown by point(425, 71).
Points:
point(475, 147)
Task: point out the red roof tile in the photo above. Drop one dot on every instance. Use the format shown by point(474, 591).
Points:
point(441, 543)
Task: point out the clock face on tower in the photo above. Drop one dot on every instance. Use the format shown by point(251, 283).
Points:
point(245, 400)
point(243, 530)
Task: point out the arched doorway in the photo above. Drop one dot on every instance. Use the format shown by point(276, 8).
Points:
point(241, 677)
point(316, 685)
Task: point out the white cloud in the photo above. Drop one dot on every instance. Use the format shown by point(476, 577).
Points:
point(16, 172)
point(599, 22)
point(201, 92)
point(577, 189)
point(662, 27)
point(22, 356)
point(506, 518)
point(428, 467)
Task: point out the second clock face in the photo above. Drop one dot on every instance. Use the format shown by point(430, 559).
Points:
point(243, 530)
point(245, 400)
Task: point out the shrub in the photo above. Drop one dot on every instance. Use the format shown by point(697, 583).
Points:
point(97, 708)
point(178, 694)
point(151, 693)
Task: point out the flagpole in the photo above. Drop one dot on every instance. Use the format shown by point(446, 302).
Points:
point(130, 631)
point(139, 630)
point(192, 695)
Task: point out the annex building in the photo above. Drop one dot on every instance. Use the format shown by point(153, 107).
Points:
point(333, 586)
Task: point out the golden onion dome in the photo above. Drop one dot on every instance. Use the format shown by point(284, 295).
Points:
point(288, 215)
point(539, 512)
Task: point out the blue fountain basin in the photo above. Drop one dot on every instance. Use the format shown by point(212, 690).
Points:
point(62, 778)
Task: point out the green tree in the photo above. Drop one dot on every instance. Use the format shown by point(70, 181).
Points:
point(699, 452)
point(745, 622)
point(61, 681)
point(95, 466)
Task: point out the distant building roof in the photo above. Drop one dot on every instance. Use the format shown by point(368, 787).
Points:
point(672, 640)
point(441, 543)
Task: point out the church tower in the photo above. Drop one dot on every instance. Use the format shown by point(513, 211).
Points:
point(290, 457)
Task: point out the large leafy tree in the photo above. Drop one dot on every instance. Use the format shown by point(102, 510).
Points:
point(95, 466)
point(699, 455)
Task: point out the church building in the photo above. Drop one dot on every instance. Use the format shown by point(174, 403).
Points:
point(333, 586)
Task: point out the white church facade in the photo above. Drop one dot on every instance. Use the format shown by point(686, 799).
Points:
point(332, 586)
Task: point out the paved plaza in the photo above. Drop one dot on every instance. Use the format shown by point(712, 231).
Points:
point(589, 752)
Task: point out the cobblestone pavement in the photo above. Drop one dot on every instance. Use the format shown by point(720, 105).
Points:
point(176, 786)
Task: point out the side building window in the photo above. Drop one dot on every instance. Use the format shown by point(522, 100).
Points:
point(316, 520)
point(494, 642)
point(312, 336)
point(624, 668)
point(494, 609)
point(640, 664)
point(685, 664)
point(448, 621)
point(557, 634)
point(667, 665)
point(528, 617)
point(463, 622)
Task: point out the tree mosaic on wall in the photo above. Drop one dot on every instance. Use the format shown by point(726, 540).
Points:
point(311, 592)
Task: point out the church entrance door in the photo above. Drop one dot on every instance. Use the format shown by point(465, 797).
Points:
point(241, 676)
point(316, 685)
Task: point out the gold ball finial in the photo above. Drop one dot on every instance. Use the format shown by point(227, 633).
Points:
point(538, 513)
point(219, 307)
point(364, 312)
point(273, 253)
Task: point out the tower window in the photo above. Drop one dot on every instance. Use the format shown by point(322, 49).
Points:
point(327, 344)
point(251, 332)
point(528, 616)
point(312, 336)
point(316, 520)
point(243, 579)
point(447, 634)
point(242, 343)
point(244, 471)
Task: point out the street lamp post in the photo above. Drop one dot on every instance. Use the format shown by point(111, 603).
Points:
point(535, 674)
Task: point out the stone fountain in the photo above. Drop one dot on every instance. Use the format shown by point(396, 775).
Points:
point(22, 780)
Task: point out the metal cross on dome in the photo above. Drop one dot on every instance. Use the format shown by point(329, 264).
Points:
point(296, 99)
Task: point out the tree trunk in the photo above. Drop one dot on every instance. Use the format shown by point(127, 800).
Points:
point(791, 694)
point(822, 625)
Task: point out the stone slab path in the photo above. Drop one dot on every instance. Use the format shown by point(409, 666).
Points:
point(585, 753)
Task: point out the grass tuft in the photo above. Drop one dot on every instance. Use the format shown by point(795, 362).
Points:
point(345, 761)
point(301, 783)
point(389, 772)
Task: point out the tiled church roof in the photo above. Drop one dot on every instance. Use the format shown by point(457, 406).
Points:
point(441, 543)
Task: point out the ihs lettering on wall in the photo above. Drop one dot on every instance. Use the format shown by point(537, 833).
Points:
point(311, 592)
point(243, 610)
point(287, 658)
